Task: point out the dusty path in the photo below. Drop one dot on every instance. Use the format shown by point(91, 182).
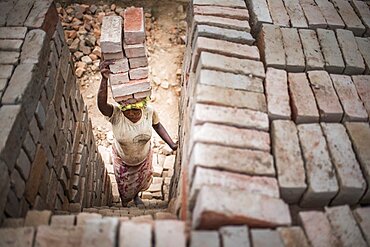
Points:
point(165, 26)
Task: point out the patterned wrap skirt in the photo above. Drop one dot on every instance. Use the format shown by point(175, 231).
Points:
point(132, 179)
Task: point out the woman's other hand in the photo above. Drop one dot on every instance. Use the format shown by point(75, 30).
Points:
point(104, 68)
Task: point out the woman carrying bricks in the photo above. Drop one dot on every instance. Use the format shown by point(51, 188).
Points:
point(131, 121)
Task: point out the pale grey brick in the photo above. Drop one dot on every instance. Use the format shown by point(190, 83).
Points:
point(330, 49)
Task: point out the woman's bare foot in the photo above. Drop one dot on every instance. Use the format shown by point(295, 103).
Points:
point(138, 202)
point(125, 203)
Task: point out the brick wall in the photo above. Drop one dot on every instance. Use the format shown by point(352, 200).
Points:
point(48, 156)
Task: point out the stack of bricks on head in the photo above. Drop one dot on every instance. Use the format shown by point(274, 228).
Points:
point(125, 45)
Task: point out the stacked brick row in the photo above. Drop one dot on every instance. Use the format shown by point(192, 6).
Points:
point(351, 15)
point(48, 158)
point(40, 228)
point(226, 152)
point(336, 226)
point(123, 41)
point(298, 50)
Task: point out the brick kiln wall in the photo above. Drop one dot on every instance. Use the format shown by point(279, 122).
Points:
point(48, 156)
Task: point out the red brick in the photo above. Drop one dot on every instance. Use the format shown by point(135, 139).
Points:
point(230, 98)
point(133, 24)
point(224, 3)
point(276, 86)
point(293, 50)
point(22, 236)
point(141, 95)
point(354, 109)
point(352, 184)
point(261, 13)
point(11, 45)
point(173, 228)
point(37, 218)
point(344, 226)
point(119, 78)
point(119, 66)
point(321, 180)
point(266, 238)
point(318, 229)
point(288, 160)
point(135, 234)
point(204, 239)
point(364, 46)
point(131, 87)
point(6, 7)
point(352, 21)
point(250, 184)
point(12, 130)
point(113, 56)
point(137, 50)
point(43, 15)
point(18, 15)
point(111, 34)
point(351, 54)
point(9, 57)
point(231, 136)
point(6, 71)
point(270, 43)
point(313, 14)
point(100, 232)
point(243, 118)
point(230, 80)
point(293, 236)
point(139, 73)
point(37, 169)
point(278, 13)
point(330, 14)
point(222, 47)
point(311, 50)
point(59, 236)
point(215, 208)
point(295, 12)
point(24, 88)
point(362, 83)
point(234, 236)
point(223, 34)
point(326, 98)
point(228, 12)
point(13, 32)
point(330, 49)
point(137, 62)
point(242, 161)
point(362, 10)
point(302, 99)
point(359, 134)
point(362, 216)
point(222, 22)
point(62, 220)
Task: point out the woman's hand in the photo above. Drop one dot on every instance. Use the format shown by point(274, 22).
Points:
point(104, 68)
point(174, 146)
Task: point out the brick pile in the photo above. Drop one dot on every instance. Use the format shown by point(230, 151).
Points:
point(297, 50)
point(273, 114)
point(41, 228)
point(335, 226)
point(123, 41)
point(48, 155)
point(225, 123)
point(312, 14)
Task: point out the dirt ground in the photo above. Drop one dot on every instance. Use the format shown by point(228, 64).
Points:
point(165, 30)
